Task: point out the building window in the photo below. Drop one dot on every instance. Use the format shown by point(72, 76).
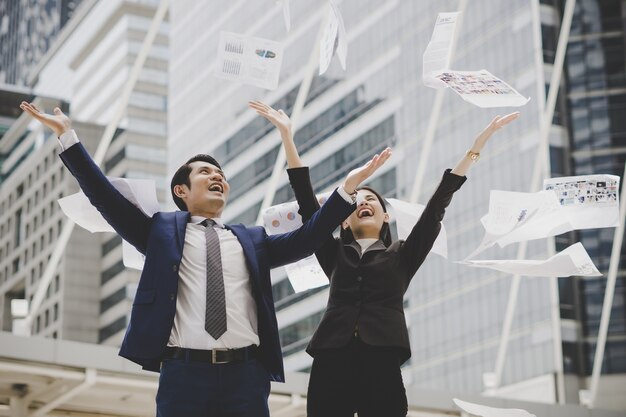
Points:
point(111, 272)
point(112, 299)
point(111, 329)
point(111, 244)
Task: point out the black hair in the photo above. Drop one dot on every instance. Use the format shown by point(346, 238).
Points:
point(346, 235)
point(181, 176)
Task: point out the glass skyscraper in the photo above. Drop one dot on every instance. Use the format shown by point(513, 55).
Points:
point(27, 29)
point(455, 313)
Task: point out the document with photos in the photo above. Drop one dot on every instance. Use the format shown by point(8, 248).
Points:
point(482, 88)
point(406, 216)
point(141, 193)
point(334, 40)
point(438, 54)
point(283, 218)
point(572, 261)
point(589, 201)
point(517, 216)
point(249, 60)
point(484, 411)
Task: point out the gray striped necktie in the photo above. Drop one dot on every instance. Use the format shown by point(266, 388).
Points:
point(215, 315)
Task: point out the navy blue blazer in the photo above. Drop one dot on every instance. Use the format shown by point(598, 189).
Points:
point(161, 239)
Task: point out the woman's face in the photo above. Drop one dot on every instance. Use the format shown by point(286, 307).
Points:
point(368, 218)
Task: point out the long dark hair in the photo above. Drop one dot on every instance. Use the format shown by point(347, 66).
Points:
point(346, 235)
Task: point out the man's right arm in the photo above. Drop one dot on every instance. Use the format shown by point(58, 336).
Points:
point(127, 220)
point(130, 222)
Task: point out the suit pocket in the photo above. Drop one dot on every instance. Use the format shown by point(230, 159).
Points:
point(144, 297)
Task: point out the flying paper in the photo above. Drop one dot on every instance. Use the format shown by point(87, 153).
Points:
point(572, 261)
point(439, 50)
point(407, 215)
point(484, 411)
point(249, 60)
point(566, 204)
point(334, 40)
point(141, 193)
point(482, 88)
point(283, 218)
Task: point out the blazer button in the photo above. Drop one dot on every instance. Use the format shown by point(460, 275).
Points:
point(174, 268)
point(172, 296)
point(359, 279)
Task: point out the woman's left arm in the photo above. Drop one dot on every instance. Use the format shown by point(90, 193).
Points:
point(421, 239)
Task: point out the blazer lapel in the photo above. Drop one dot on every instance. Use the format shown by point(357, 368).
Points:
point(248, 249)
point(182, 218)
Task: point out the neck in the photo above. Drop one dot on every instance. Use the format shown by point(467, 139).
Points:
point(366, 234)
point(206, 214)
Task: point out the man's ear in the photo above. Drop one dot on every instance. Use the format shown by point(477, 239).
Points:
point(180, 190)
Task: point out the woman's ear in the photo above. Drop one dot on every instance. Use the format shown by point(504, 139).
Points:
point(386, 218)
point(344, 225)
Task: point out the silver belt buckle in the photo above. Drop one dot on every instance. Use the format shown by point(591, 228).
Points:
point(214, 360)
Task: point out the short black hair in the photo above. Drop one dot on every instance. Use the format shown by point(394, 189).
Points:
point(346, 235)
point(181, 176)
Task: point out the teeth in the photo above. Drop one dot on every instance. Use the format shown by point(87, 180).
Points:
point(215, 187)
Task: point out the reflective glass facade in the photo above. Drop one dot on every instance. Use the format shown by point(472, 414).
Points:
point(455, 313)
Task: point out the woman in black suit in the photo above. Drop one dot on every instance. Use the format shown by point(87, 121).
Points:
point(362, 340)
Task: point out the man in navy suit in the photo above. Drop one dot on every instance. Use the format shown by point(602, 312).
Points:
point(203, 314)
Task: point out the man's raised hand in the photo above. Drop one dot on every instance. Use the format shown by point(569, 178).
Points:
point(58, 122)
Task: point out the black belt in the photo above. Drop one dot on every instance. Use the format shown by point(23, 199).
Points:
point(214, 356)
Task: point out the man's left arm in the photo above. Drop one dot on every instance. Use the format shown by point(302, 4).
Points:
point(290, 247)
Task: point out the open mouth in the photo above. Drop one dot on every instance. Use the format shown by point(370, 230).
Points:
point(365, 212)
point(217, 187)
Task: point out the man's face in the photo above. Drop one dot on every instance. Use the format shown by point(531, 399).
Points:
point(369, 216)
point(208, 190)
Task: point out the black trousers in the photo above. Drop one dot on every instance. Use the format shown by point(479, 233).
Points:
point(357, 378)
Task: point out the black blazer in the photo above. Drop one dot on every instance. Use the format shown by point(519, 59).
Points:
point(367, 292)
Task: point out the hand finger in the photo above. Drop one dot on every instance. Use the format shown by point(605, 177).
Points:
point(34, 106)
point(509, 118)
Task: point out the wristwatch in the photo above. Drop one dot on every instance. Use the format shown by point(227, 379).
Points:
point(474, 156)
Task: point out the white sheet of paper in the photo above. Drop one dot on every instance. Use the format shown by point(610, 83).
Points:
point(438, 53)
point(333, 40)
point(306, 274)
point(141, 193)
point(282, 218)
point(407, 214)
point(482, 88)
point(572, 261)
point(484, 411)
point(342, 38)
point(249, 60)
point(286, 13)
point(589, 201)
point(565, 204)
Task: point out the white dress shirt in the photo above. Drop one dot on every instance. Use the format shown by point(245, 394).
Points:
point(241, 310)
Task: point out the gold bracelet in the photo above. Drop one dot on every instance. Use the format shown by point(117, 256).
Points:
point(474, 156)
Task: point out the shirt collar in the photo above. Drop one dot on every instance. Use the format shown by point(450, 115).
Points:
point(199, 219)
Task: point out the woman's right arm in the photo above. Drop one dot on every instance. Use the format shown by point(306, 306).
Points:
point(299, 180)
